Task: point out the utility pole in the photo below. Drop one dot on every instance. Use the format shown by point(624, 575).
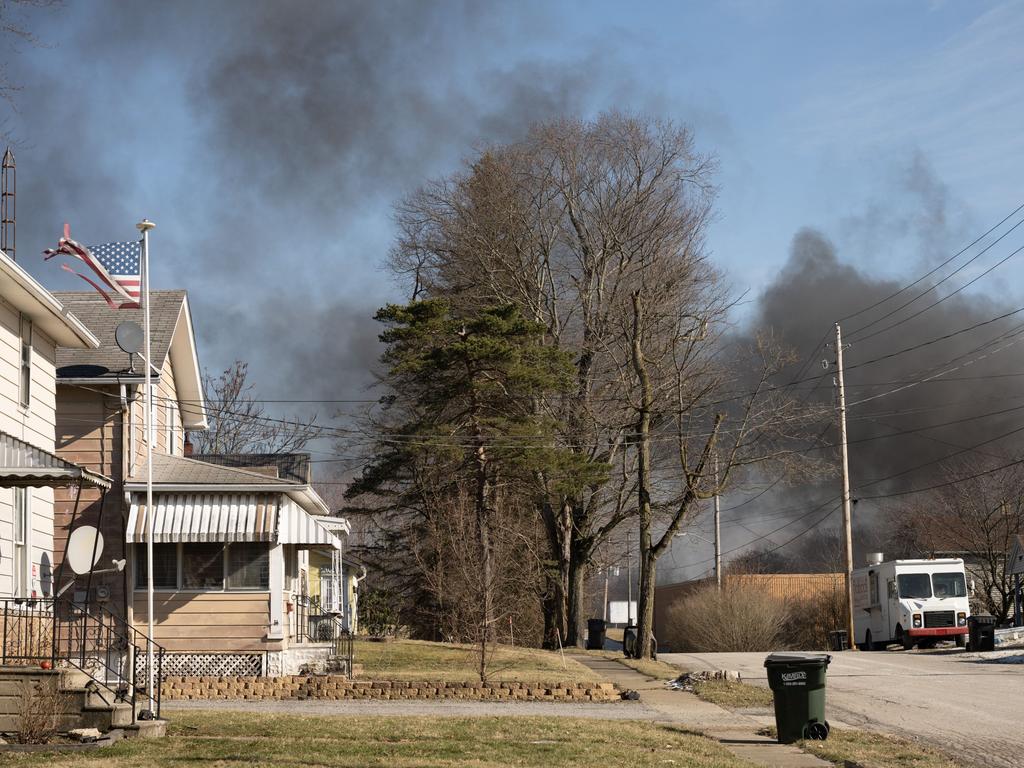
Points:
point(847, 527)
point(629, 585)
point(718, 531)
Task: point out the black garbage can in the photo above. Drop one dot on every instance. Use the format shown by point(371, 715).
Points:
point(982, 632)
point(797, 681)
point(838, 640)
point(629, 640)
point(595, 634)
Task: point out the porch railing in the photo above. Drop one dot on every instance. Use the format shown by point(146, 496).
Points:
point(315, 625)
point(91, 639)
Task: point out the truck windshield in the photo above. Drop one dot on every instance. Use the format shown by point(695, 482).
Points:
point(949, 584)
point(914, 585)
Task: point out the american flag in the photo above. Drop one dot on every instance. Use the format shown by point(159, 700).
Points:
point(118, 266)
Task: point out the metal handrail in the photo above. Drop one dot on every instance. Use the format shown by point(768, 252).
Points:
point(91, 639)
point(313, 624)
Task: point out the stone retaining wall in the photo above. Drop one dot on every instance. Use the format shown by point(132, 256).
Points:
point(339, 688)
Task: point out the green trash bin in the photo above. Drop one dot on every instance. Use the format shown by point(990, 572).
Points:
point(797, 681)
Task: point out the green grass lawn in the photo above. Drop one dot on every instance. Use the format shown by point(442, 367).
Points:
point(252, 739)
point(418, 660)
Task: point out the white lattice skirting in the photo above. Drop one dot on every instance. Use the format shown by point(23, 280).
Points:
point(198, 664)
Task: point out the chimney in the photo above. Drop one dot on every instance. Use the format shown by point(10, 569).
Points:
point(188, 446)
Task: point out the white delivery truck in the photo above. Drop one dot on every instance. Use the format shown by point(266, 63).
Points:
point(910, 602)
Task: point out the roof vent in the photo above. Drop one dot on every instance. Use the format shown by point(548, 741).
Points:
point(875, 558)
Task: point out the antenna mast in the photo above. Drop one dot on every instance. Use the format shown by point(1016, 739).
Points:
point(8, 184)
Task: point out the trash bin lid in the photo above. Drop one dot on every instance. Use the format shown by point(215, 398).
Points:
point(797, 659)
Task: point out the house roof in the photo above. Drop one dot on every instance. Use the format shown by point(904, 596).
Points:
point(23, 292)
point(109, 361)
point(180, 470)
point(171, 335)
point(178, 473)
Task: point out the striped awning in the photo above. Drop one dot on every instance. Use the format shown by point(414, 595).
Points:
point(225, 517)
point(23, 465)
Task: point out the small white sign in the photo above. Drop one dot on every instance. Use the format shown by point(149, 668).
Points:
point(621, 612)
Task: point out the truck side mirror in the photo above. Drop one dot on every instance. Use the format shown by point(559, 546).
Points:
point(972, 588)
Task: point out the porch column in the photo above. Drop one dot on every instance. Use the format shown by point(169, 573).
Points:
point(277, 618)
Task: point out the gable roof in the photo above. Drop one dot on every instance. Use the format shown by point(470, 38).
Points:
point(171, 335)
point(109, 361)
point(23, 292)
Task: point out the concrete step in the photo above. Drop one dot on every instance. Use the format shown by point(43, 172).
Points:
point(116, 716)
point(146, 729)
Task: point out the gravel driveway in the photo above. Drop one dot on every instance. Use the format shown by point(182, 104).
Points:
point(967, 704)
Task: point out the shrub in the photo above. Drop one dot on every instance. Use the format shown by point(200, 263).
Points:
point(812, 618)
point(39, 711)
point(740, 617)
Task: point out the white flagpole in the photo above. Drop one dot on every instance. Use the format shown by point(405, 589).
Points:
point(144, 226)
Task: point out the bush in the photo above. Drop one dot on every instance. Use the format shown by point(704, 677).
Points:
point(812, 618)
point(740, 617)
point(39, 711)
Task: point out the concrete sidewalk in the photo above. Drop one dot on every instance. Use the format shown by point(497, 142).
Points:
point(734, 730)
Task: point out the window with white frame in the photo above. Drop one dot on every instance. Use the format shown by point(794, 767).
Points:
point(204, 567)
point(25, 382)
point(22, 543)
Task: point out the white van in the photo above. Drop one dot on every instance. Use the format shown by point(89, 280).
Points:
point(910, 602)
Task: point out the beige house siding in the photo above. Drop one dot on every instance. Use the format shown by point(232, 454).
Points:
point(35, 425)
point(207, 622)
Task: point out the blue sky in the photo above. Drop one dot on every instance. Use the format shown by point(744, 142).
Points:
point(269, 141)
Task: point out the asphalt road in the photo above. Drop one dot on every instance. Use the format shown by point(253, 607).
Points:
point(967, 705)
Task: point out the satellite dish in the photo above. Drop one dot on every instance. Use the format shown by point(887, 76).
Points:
point(128, 336)
point(85, 545)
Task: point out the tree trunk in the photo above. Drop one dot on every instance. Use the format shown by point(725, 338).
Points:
point(578, 561)
point(645, 606)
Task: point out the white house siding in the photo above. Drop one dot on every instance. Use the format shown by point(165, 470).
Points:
point(34, 425)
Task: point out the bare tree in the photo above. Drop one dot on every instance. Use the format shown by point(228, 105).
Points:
point(239, 423)
point(977, 519)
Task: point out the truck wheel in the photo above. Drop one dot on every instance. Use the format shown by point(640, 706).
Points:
point(904, 639)
point(868, 645)
point(961, 641)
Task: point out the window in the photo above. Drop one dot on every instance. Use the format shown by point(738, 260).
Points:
point(949, 584)
point(25, 383)
point(914, 585)
point(873, 581)
point(22, 543)
point(165, 566)
point(172, 427)
point(202, 566)
point(248, 566)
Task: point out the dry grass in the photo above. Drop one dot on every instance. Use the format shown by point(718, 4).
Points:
point(419, 660)
point(252, 739)
point(734, 695)
point(874, 750)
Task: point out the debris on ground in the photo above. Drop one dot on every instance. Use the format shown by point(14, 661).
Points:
point(85, 735)
point(688, 680)
point(630, 695)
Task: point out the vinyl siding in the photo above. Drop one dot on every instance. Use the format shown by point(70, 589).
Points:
point(208, 621)
point(35, 425)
